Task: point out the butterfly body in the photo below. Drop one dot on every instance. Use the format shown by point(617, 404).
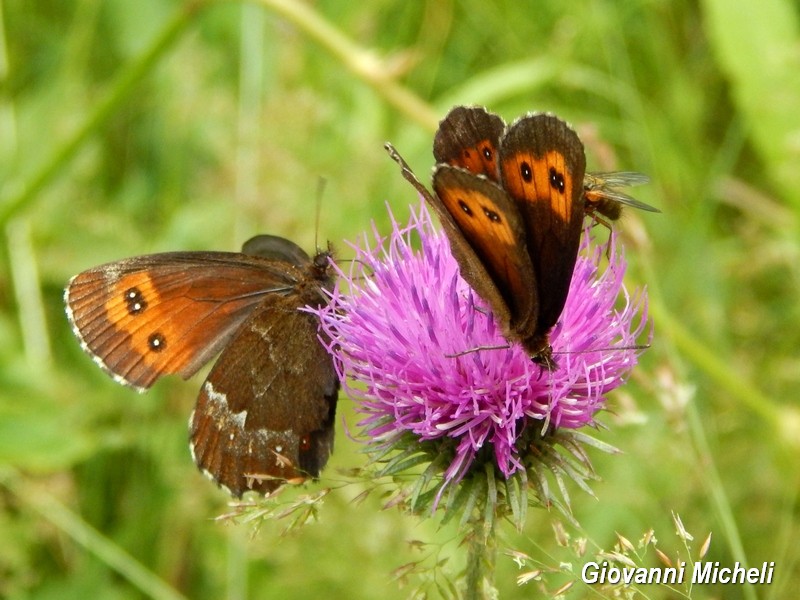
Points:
point(265, 412)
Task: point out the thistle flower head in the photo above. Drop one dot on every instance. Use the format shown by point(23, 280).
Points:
point(421, 355)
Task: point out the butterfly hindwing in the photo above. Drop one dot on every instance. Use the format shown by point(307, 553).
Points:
point(271, 395)
point(271, 398)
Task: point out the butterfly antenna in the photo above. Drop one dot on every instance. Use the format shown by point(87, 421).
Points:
point(477, 349)
point(408, 173)
point(321, 183)
point(606, 349)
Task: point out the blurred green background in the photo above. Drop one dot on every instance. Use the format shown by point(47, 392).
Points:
point(134, 127)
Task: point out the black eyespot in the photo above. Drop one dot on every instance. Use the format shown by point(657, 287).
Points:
point(134, 301)
point(157, 342)
point(465, 208)
point(557, 180)
point(526, 172)
point(491, 215)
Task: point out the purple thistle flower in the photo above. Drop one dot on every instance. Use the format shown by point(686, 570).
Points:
point(420, 353)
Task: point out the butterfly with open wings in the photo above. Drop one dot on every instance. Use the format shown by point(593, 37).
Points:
point(265, 413)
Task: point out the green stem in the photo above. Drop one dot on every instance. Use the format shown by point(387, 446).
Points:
point(366, 65)
point(481, 559)
point(119, 92)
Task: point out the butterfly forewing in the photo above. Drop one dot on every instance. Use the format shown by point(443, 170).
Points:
point(542, 166)
point(468, 137)
point(487, 219)
point(155, 315)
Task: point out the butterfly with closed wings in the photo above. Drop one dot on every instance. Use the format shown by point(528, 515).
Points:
point(511, 200)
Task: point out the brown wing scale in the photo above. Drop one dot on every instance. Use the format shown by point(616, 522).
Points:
point(542, 166)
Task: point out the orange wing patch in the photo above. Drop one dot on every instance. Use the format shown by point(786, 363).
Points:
point(481, 160)
point(468, 137)
point(544, 179)
point(128, 321)
point(478, 217)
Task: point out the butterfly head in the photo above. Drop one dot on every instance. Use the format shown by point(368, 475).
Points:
point(321, 268)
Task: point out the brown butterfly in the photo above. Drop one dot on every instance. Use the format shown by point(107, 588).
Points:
point(515, 235)
point(265, 413)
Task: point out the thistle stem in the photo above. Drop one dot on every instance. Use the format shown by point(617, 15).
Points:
point(481, 558)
